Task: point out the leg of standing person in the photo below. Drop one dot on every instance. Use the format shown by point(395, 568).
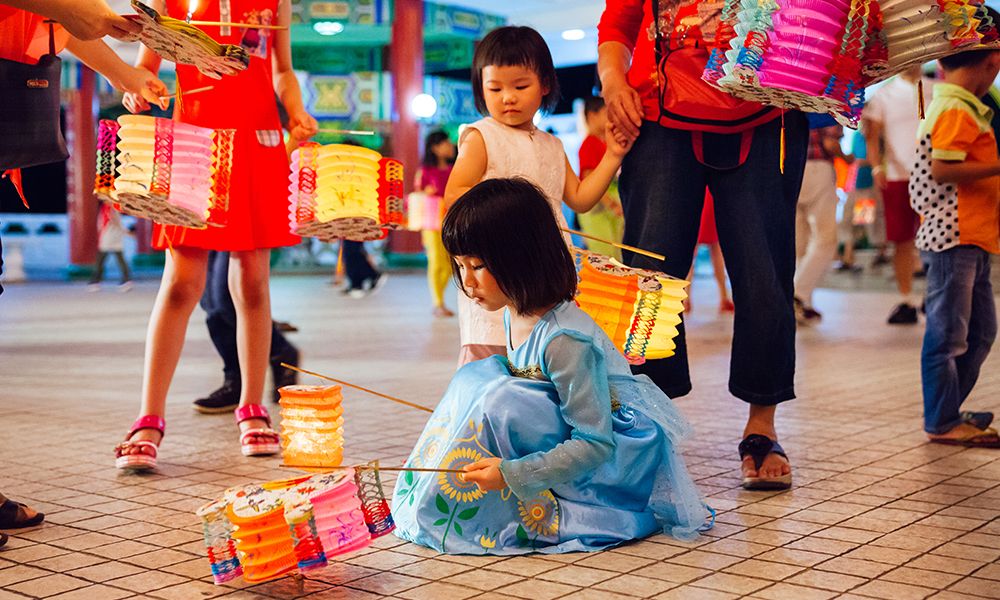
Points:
point(901, 223)
point(961, 329)
point(249, 272)
point(719, 268)
point(126, 276)
point(220, 318)
point(818, 204)
point(755, 218)
point(358, 268)
point(180, 288)
point(662, 188)
point(438, 270)
point(97, 274)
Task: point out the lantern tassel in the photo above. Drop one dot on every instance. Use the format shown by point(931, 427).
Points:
point(357, 387)
point(616, 245)
point(920, 99)
point(781, 152)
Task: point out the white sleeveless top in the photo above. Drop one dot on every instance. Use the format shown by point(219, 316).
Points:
point(537, 156)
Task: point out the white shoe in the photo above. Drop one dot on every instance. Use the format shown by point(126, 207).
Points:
point(93, 287)
point(125, 287)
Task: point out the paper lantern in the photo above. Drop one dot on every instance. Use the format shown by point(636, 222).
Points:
point(424, 212)
point(168, 172)
point(284, 526)
point(638, 309)
point(820, 55)
point(342, 191)
point(312, 426)
point(183, 43)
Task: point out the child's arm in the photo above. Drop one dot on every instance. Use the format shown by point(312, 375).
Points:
point(578, 371)
point(581, 196)
point(469, 167)
point(958, 171)
point(99, 57)
point(301, 125)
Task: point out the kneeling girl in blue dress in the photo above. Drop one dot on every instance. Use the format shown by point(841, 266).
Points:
point(558, 447)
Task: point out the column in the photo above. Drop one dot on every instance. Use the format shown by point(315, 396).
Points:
point(81, 168)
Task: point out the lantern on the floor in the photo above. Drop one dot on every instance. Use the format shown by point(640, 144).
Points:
point(638, 309)
point(284, 526)
point(312, 426)
point(168, 172)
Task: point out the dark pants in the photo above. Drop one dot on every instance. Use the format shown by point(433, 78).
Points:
point(356, 265)
point(99, 261)
point(662, 189)
point(220, 312)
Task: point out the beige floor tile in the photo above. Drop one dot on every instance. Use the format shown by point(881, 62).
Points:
point(690, 593)
point(787, 591)
point(50, 585)
point(93, 592)
point(146, 581)
point(106, 571)
point(669, 572)
point(524, 566)
point(764, 570)
point(438, 591)
point(851, 566)
point(191, 590)
point(538, 590)
point(922, 577)
point(977, 587)
point(888, 590)
point(576, 575)
point(431, 569)
point(632, 585)
point(946, 564)
point(482, 579)
point(826, 580)
point(802, 558)
point(991, 571)
point(386, 583)
point(728, 582)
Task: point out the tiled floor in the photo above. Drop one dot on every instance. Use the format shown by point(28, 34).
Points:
point(875, 512)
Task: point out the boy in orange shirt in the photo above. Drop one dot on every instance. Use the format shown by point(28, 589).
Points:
point(955, 187)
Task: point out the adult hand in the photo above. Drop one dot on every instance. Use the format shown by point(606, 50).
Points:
point(83, 19)
point(137, 100)
point(624, 107)
point(301, 125)
point(486, 474)
point(143, 84)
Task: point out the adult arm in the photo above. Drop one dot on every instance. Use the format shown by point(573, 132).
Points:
point(624, 104)
point(470, 166)
point(148, 60)
point(301, 125)
point(874, 130)
point(83, 19)
point(99, 57)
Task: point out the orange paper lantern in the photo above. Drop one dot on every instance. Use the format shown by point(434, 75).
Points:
point(312, 424)
point(638, 309)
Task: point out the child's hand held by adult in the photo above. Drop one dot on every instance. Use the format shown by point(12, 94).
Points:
point(618, 142)
point(486, 474)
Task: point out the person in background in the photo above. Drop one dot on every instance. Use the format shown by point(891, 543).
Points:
point(891, 118)
point(816, 219)
point(860, 189)
point(605, 220)
point(110, 240)
point(955, 187)
point(432, 178)
point(708, 236)
point(83, 19)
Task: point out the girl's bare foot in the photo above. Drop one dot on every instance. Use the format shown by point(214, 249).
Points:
point(442, 311)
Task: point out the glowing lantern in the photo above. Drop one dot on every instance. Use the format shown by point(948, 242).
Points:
point(171, 173)
point(342, 191)
point(638, 309)
point(312, 425)
point(288, 525)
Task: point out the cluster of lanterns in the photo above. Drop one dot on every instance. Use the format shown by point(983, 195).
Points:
point(820, 55)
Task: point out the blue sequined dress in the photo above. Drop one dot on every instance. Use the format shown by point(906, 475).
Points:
point(589, 451)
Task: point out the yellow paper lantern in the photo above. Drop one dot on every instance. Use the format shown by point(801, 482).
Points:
point(637, 308)
point(312, 426)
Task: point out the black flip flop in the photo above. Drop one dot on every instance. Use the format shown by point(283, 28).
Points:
point(3, 539)
point(979, 420)
point(757, 447)
point(12, 517)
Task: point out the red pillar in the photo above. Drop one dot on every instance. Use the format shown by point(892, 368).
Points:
point(81, 169)
point(407, 64)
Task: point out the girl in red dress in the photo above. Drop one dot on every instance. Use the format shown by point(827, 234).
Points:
point(257, 218)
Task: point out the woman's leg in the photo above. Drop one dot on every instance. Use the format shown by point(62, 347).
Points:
point(249, 272)
point(719, 266)
point(180, 289)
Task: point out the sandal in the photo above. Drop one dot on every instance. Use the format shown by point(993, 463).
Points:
point(142, 461)
point(758, 447)
point(3, 539)
point(13, 516)
point(987, 438)
point(979, 420)
point(247, 445)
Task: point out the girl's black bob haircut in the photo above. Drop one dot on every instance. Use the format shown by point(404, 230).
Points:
point(512, 46)
point(508, 224)
point(433, 139)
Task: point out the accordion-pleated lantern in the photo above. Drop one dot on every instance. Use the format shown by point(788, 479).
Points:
point(820, 55)
point(342, 191)
point(638, 309)
point(312, 426)
point(284, 526)
point(168, 172)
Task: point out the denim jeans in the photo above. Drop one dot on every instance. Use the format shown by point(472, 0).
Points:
point(220, 317)
point(961, 327)
point(662, 188)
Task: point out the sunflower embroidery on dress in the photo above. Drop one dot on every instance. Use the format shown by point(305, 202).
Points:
point(529, 372)
point(540, 515)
